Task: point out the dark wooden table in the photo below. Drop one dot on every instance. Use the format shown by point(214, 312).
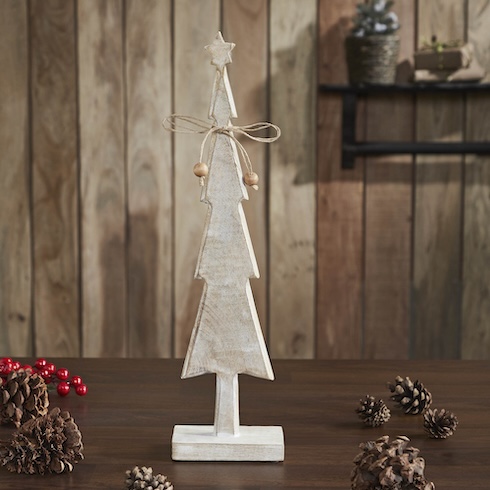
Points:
point(132, 405)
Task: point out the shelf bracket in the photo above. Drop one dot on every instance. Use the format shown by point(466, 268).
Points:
point(352, 148)
point(349, 119)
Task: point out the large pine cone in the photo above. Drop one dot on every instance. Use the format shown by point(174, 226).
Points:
point(48, 444)
point(373, 413)
point(143, 478)
point(24, 396)
point(440, 424)
point(385, 465)
point(413, 398)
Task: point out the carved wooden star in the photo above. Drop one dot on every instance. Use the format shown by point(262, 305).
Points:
point(220, 51)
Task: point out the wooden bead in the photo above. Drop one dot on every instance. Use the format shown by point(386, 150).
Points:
point(201, 169)
point(251, 178)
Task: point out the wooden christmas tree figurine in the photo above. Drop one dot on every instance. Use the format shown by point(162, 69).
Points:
point(227, 338)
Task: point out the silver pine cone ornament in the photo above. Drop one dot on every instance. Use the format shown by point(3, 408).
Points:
point(440, 424)
point(373, 412)
point(144, 479)
point(48, 444)
point(385, 465)
point(411, 397)
point(23, 396)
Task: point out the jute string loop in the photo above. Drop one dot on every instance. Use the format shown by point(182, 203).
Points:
point(178, 123)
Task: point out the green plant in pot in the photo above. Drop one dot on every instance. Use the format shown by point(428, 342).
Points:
point(373, 45)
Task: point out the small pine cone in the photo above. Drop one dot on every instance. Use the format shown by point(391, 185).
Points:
point(413, 398)
point(385, 465)
point(23, 396)
point(48, 444)
point(440, 424)
point(143, 478)
point(373, 413)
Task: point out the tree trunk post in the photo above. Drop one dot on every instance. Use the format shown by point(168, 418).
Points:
point(226, 417)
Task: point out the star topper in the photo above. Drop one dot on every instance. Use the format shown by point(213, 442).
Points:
point(220, 51)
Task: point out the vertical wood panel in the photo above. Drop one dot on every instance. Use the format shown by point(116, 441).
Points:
point(292, 218)
point(149, 92)
point(196, 25)
point(132, 62)
point(476, 275)
point(389, 214)
point(55, 175)
point(102, 160)
point(339, 203)
point(437, 251)
point(245, 24)
point(15, 234)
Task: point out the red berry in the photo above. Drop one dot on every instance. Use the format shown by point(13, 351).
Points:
point(50, 367)
point(63, 373)
point(63, 388)
point(16, 365)
point(6, 368)
point(46, 375)
point(76, 380)
point(81, 389)
point(40, 363)
point(25, 367)
point(6, 360)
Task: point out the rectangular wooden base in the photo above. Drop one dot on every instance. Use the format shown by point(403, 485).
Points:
point(253, 443)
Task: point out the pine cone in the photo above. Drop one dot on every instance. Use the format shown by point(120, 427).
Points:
point(373, 413)
point(23, 396)
point(143, 478)
point(48, 444)
point(413, 398)
point(385, 465)
point(440, 425)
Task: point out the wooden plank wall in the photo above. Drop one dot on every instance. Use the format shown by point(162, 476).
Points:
point(16, 327)
point(476, 210)
point(101, 218)
point(292, 178)
point(388, 215)
point(402, 248)
point(339, 203)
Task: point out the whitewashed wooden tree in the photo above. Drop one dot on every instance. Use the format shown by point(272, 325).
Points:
point(227, 338)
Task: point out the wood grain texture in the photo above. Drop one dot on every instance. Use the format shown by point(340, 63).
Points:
point(15, 219)
point(102, 173)
point(293, 39)
point(245, 24)
point(476, 274)
point(388, 213)
point(227, 338)
point(55, 177)
point(437, 244)
point(254, 443)
point(149, 100)
point(314, 400)
point(193, 82)
point(339, 202)
point(360, 288)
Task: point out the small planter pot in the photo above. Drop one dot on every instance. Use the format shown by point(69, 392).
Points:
point(372, 59)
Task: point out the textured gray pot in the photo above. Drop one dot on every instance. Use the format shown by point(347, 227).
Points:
point(372, 59)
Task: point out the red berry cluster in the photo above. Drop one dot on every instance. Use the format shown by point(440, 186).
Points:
point(52, 376)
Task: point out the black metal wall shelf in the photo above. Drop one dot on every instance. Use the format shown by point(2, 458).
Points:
point(352, 148)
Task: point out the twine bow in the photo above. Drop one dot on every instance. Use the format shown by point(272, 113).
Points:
point(193, 125)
